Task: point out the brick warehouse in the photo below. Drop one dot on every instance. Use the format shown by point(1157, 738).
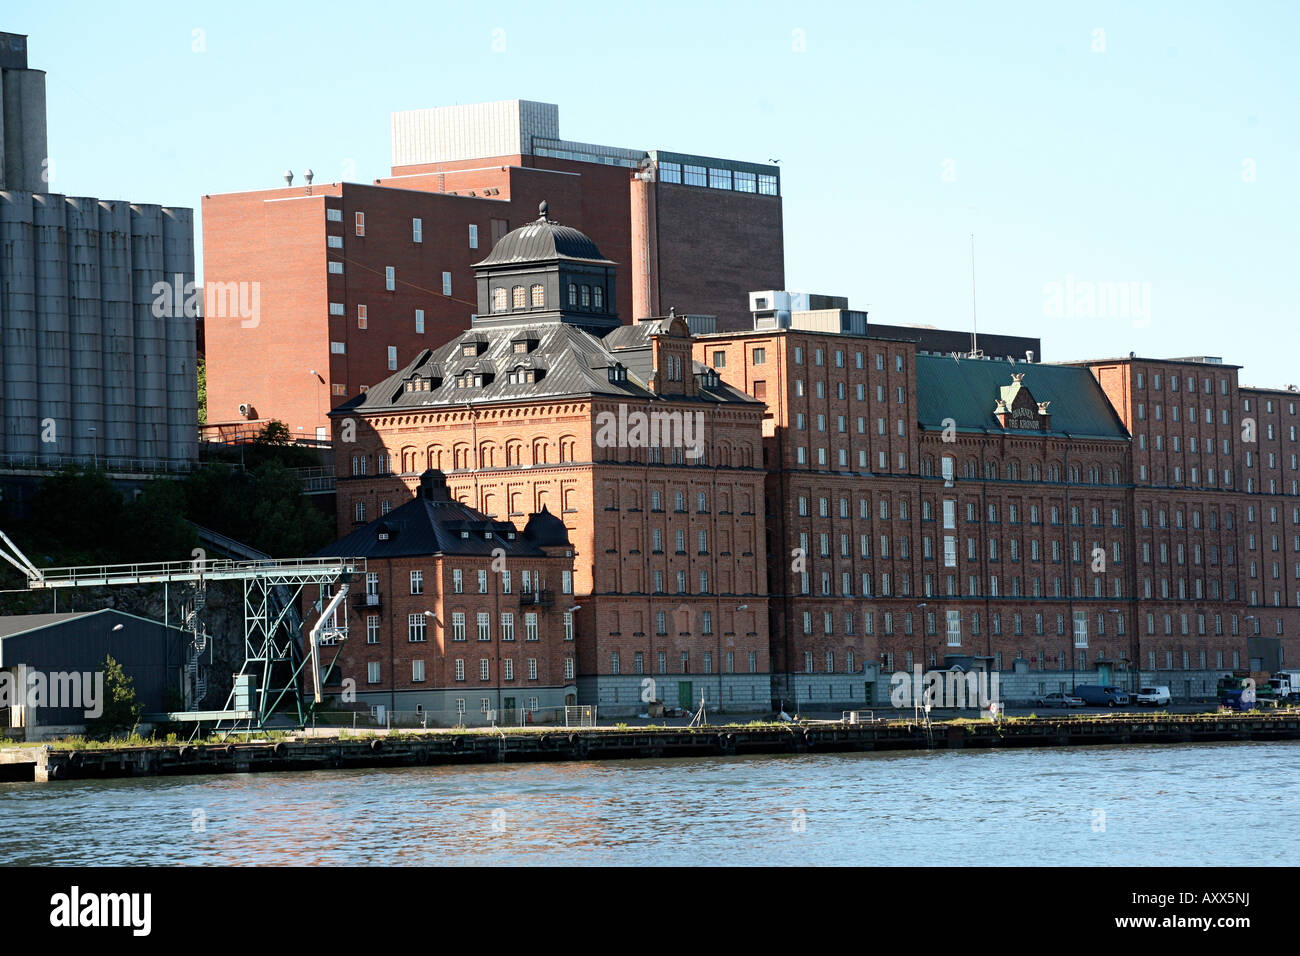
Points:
point(1054, 523)
point(521, 413)
point(351, 281)
point(1071, 519)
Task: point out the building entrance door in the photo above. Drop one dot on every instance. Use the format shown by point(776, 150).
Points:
point(685, 699)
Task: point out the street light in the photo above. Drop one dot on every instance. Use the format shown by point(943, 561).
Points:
point(925, 661)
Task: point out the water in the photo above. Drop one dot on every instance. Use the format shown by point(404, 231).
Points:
point(1149, 805)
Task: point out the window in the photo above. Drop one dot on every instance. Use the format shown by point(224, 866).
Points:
point(537, 296)
point(361, 224)
point(483, 622)
point(333, 214)
point(415, 628)
point(760, 356)
point(532, 668)
point(473, 236)
point(766, 185)
point(335, 267)
point(334, 242)
point(670, 172)
point(507, 626)
point(458, 626)
point(392, 358)
point(484, 669)
point(694, 175)
point(530, 626)
point(446, 283)
point(419, 321)
point(390, 278)
point(417, 582)
point(372, 672)
point(417, 230)
point(460, 675)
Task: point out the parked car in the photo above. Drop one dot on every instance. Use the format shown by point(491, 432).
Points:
point(1154, 696)
point(1098, 696)
point(1058, 699)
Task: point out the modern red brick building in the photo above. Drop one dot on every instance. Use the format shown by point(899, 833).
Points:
point(462, 618)
point(651, 461)
point(351, 281)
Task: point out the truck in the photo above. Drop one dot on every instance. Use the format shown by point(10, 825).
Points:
point(1240, 691)
point(1286, 685)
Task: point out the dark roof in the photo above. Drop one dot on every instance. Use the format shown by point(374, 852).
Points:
point(434, 523)
point(18, 623)
point(545, 530)
point(543, 240)
point(11, 624)
point(574, 364)
point(967, 391)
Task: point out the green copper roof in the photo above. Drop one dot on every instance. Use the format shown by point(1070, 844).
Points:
point(967, 391)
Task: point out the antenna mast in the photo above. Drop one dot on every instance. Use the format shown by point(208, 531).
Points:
point(974, 323)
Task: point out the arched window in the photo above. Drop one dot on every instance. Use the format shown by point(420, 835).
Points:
point(519, 300)
point(498, 300)
point(538, 296)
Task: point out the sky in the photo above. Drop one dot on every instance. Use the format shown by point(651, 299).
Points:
point(1130, 172)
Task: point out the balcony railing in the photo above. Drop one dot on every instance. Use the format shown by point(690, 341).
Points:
point(542, 598)
point(364, 602)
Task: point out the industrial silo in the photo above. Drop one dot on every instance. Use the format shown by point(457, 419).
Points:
point(118, 360)
point(53, 397)
point(85, 322)
point(18, 308)
point(182, 388)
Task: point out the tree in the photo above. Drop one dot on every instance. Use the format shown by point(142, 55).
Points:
point(276, 432)
point(201, 375)
point(122, 709)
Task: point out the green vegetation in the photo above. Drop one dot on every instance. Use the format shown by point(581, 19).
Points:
point(122, 709)
point(78, 516)
point(202, 376)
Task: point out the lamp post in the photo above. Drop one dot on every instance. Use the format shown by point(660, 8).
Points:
point(574, 622)
point(739, 607)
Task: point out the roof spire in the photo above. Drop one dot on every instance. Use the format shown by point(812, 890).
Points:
point(543, 210)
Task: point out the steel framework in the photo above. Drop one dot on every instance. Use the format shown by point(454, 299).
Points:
point(274, 656)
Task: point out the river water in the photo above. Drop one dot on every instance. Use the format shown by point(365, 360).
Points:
point(1143, 805)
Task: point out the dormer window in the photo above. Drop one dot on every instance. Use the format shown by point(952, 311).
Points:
point(472, 347)
point(383, 536)
point(498, 300)
point(617, 373)
point(465, 535)
point(468, 379)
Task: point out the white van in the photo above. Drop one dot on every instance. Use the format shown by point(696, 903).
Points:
point(1154, 696)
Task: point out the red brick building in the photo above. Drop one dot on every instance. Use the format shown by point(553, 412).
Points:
point(462, 618)
point(1053, 523)
point(652, 462)
point(352, 281)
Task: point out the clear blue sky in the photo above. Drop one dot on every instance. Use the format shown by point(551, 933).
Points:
point(1125, 164)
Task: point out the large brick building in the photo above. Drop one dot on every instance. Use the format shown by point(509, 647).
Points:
point(463, 617)
point(652, 462)
point(316, 291)
point(1055, 523)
